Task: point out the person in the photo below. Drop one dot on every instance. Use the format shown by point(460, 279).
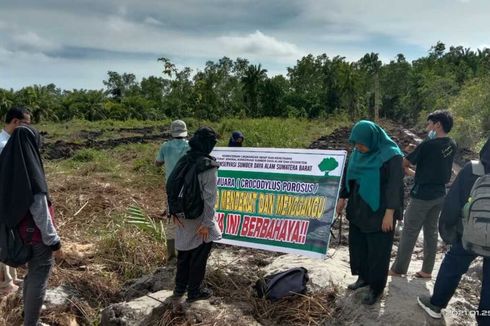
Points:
point(170, 152)
point(194, 237)
point(14, 118)
point(236, 139)
point(433, 159)
point(24, 202)
point(373, 189)
point(457, 260)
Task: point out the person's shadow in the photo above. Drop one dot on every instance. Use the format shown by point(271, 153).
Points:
point(397, 306)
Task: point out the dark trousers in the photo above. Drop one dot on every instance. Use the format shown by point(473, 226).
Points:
point(191, 267)
point(36, 282)
point(370, 255)
point(456, 262)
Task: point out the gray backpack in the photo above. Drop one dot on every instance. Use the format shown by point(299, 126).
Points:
point(476, 214)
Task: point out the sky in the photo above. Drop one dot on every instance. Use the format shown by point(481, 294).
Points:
point(74, 43)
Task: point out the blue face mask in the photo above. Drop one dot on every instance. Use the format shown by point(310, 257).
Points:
point(432, 134)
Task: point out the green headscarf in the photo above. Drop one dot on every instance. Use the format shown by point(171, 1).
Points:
point(364, 167)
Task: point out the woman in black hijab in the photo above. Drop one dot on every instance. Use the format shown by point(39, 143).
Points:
point(194, 237)
point(24, 204)
point(457, 260)
point(236, 139)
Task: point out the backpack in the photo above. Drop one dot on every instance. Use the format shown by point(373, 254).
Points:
point(184, 197)
point(14, 251)
point(283, 284)
point(476, 214)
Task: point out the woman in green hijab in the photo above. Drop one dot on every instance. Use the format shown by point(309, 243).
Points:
point(373, 191)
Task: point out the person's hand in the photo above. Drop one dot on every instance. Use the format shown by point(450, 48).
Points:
point(204, 232)
point(340, 206)
point(387, 224)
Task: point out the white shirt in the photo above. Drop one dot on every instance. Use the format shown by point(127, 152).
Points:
point(4, 138)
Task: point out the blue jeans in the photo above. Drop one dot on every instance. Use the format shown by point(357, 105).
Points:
point(456, 262)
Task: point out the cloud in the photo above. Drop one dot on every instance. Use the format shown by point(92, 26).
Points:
point(124, 34)
point(152, 21)
point(16, 39)
point(258, 45)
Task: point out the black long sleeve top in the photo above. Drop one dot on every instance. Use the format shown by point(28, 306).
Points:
point(391, 197)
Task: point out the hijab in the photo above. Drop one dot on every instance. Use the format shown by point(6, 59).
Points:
point(203, 141)
point(233, 142)
point(21, 174)
point(364, 167)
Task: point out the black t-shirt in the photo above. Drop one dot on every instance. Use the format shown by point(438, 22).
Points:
point(434, 160)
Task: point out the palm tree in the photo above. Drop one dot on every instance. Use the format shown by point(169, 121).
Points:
point(254, 75)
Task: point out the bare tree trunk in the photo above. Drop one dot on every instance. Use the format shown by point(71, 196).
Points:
point(377, 97)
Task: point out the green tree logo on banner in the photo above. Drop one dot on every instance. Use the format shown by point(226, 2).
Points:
point(328, 164)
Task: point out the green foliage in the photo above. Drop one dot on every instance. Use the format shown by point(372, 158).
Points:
point(136, 217)
point(277, 132)
point(87, 155)
point(130, 252)
point(472, 113)
point(316, 86)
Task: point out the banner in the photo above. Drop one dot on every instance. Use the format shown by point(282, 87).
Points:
point(278, 199)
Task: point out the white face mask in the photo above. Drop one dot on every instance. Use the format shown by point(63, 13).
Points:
point(432, 134)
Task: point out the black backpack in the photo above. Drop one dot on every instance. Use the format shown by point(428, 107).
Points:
point(14, 251)
point(283, 284)
point(184, 195)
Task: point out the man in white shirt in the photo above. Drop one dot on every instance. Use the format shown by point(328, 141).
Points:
point(14, 118)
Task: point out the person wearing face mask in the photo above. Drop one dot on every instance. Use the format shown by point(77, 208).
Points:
point(372, 187)
point(433, 160)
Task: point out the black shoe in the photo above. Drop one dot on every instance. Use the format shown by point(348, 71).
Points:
point(370, 298)
point(203, 294)
point(430, 309)
point(178, 294)
point(360, 283)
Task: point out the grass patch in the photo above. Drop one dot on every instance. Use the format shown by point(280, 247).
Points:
point(262, 132)
point(130, 252)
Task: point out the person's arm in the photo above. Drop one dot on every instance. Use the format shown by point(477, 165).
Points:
point(344, 194)
point(407, 168)
point(160, 159)
point(42, 218)
point(453, 203)
point(208, 180)
point(209, 193)
point(392, 194)
point(412, 159)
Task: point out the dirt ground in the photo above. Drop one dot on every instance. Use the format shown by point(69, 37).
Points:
point(97, 263)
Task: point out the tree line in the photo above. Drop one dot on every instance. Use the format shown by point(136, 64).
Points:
point(316, 86)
